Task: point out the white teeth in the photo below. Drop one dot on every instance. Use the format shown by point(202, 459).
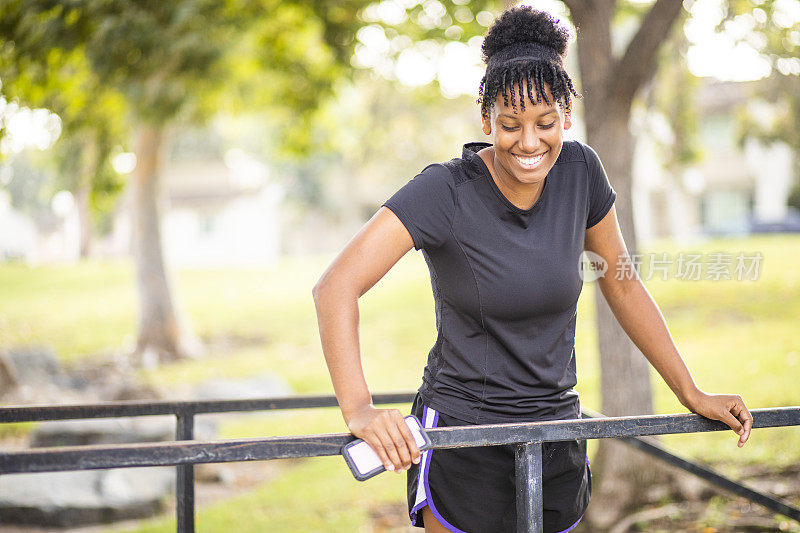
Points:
point(530, 161)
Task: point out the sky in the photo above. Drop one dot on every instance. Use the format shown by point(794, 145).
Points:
point(458, 67)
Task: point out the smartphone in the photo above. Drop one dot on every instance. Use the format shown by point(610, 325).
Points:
point(365, 463)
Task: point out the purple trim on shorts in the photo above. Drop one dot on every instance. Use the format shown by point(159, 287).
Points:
point(428, 497)
point(422, 471)
point(570, 528)
point(424, 474)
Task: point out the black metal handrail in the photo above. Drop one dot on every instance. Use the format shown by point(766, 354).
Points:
point(184, 412)
point(38, 413)
point(527, 436)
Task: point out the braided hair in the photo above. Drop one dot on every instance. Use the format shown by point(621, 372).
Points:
point(525, 48)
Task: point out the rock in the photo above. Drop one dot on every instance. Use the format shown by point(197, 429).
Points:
point(90, 496)
point(34, 375)
point(114, 431)
point(215, 473)
point(8, 377)
point(134, 391)
point(263, 386)
point(34, 364)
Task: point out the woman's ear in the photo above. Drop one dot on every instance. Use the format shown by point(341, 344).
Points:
point(487, 124)
point(567, 120)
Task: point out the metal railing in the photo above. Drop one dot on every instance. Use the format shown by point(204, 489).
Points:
point(528, 438)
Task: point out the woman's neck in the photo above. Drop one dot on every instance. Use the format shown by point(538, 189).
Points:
point(521, 195)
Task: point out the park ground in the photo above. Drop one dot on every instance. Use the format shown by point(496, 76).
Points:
point(737, 336)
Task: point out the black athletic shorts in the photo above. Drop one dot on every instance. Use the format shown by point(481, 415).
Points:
point(472, 490)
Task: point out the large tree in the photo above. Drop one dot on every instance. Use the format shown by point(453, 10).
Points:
point(181, 61)
point(610, 82)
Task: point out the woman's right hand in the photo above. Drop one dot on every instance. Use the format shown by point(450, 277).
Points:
point(386, 432)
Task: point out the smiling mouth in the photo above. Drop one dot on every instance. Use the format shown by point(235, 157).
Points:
point(530, 161)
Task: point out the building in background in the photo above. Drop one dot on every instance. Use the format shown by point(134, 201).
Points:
point(731, 191)
point(219, 211)
point(18, 237)
point(222, 212)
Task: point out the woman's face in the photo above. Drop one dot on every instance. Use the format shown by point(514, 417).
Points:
point(526, 143)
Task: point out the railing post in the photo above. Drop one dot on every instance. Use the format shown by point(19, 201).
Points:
point(185, 482)
point(528, 468)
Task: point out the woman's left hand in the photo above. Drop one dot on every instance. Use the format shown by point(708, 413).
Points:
point(728, 408)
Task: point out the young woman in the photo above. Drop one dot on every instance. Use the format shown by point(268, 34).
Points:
point(501, 229)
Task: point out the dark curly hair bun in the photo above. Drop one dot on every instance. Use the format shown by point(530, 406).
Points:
point(523, 50)
point(525, 25)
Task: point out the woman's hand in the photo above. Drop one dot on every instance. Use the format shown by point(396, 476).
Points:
point(728, 408)
point(385, 430)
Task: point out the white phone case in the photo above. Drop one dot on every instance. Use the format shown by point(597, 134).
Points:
point(365, 463)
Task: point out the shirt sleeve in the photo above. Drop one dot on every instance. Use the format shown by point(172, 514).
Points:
point(425, 205)
point(601, 193)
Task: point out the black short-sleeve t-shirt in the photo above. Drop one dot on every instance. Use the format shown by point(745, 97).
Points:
point(505, 283)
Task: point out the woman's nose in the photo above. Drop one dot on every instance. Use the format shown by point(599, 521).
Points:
point(529, 142)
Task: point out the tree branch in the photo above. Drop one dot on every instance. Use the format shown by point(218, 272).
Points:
point(576, 5)
point(589, 6)
point(638, 62)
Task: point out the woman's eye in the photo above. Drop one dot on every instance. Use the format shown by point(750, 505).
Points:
point(508, 128)
point(548, 126)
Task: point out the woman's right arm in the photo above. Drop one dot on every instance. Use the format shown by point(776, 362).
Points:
point(378, 245)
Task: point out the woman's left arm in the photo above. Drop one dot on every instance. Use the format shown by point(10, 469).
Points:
point(642, 320)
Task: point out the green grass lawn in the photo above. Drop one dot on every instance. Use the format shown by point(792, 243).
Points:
point(736, 337)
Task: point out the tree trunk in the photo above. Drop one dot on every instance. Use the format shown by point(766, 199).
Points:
point(162, 334)
point(8, 376)
point(82, 201)
point(621, 474)
point(87, 169)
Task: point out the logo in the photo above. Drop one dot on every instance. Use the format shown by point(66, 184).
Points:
point(591, 266)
